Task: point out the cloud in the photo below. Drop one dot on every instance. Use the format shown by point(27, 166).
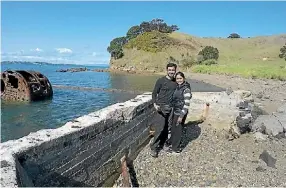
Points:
point(64, 50)
point(36, 50)
point(58, 56)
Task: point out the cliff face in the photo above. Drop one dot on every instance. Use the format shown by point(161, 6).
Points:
point(153, 50)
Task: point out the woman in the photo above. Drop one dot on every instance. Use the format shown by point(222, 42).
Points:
point(181, 103)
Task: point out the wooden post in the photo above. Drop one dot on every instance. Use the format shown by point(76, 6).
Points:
point(125, 173)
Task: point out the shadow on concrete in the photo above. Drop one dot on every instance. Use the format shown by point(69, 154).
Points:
point(53, 179)
point(191, 131)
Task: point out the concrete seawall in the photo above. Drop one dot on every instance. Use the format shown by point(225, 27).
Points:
point(86, 151)
point(81, 153)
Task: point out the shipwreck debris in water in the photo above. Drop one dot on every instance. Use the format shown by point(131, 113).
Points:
point(21, 85)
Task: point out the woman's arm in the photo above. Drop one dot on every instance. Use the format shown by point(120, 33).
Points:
point(187, 97)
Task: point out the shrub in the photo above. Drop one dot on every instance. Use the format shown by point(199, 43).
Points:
point(283, 52)
point(209, 52)
point(188, 62)
point(234, 36)
point(210, 62)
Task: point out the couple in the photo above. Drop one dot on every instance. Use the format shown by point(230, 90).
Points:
point(171, 97)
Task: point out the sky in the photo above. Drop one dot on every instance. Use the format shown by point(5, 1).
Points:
point(80, 32)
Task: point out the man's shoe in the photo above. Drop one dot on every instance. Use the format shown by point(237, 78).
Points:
point(154, 153)
point(170, 150)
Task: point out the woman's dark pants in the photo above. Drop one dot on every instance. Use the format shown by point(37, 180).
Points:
point(176, 132)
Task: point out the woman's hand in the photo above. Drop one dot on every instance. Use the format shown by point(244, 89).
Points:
point(157, 107)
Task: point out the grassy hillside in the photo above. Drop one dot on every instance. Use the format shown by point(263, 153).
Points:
point(249, 57)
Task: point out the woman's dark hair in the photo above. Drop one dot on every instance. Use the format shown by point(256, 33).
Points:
point(181, 74)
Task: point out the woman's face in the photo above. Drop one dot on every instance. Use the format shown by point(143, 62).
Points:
point(179, 79)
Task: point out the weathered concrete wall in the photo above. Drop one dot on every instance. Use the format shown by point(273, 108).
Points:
point(81, 153)
point(88, 150)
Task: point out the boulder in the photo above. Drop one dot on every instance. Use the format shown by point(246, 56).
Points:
point(268, 124)
point(282, 109)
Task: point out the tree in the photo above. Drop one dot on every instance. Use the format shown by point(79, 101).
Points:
point(145, 27)
point(174, 28)
point(234, 35)
point(283, 52)
point(156, 23)
point(209, 52)
point(115, 47)
point(133, 32)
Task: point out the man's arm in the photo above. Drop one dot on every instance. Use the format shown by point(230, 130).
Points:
point(156, 90)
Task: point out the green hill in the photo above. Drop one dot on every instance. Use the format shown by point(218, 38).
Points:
point(249, 57)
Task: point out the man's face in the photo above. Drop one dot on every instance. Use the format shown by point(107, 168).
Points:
point(171, 71)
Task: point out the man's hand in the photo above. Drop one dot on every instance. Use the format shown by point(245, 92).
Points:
point(180, 119)
point(157, 107)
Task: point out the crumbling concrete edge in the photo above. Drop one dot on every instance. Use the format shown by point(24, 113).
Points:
point(10, 149)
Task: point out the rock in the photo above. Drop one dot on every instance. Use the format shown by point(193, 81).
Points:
point(242, 105)
point(260, 136)
point(229, 91)
point(268, 159)
point(282, 109)
point(259, 95)
point(243, 123)
point(267, 97)
point(73, 70)
point(281, 117)
point(267, 124)
point(260, 169)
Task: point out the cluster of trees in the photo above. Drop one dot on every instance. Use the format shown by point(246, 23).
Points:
point(116, 45)
point(283, 52)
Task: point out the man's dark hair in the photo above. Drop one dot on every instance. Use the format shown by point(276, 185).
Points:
point(171, 65)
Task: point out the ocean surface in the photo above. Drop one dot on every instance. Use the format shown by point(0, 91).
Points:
point(19, 119)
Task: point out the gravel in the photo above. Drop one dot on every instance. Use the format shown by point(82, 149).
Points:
point(209, 159)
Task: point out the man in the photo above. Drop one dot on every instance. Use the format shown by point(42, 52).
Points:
point(162, 96)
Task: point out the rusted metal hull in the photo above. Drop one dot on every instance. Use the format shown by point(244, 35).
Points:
point(21, 85)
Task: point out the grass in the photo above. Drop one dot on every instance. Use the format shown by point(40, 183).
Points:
point(245, 57)
point(247, 71)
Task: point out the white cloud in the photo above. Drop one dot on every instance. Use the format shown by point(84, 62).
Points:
point(36, 50)
point(64, 50)
point(59, 55)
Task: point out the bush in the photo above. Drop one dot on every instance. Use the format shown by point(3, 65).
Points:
point(188, 62)
point(210, 62)
point(200, 59)
point(234, 36)
point(209, 52)
point(283, 52)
